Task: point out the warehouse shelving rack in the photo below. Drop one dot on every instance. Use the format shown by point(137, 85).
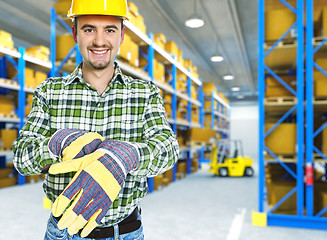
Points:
point(18, 59)
point(304, 189)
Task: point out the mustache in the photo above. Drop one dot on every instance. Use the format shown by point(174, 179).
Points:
point(106, 46)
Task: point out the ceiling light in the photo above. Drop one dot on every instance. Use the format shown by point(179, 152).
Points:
point(240, 97)
point(235, 89)
point(195, 21)
point(228, 76)
point(216, 58)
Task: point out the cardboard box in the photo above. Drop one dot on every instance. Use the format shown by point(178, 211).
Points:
point(8, 136)
point(40, 77)
point(283, 139)
point(277, 189)
point(160, 39)
point(158, 181)
point(272, 82)
point(320, 196)
point(129, 51)
point(172, 48)
point(278, 92)
point(208, 87)
point(7, 105)
point(132, 8)
point(39, 52)
point(200, 135)
point(277, 22)
point(321, 26)
point(62, 6)
point(64, 43)
point(30, 78)
point(7, 182)
point(6, 40)
point(158, 71)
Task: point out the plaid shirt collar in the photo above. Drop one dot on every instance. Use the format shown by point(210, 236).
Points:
point(77, 75)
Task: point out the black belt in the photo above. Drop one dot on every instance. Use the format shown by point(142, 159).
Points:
point(129, 224)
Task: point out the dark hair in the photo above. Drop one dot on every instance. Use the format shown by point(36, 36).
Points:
point(121, 27)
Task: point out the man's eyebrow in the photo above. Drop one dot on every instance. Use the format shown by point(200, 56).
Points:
point(92, 26)
point(87, 26)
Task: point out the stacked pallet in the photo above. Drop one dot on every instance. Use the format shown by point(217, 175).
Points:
point(6, 40)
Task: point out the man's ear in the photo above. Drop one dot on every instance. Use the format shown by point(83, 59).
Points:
point(74, 30)
point(122, 35)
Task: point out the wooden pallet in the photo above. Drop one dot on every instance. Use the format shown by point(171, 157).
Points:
point(290, 42)
point(8, 81)
point(2, 149)
point(280, 100)
point(8, 115)
point(320, 100)
point(283, 157)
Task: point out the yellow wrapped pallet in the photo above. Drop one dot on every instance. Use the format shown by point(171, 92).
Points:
point(6, 40)
point(158, 71)
point(172, 48)
point(138, 22)
point(129, 51)
point(187, 63)
point(194, 92)
point(195, 115)
point(194, 71)
point(8, 136)
point(39, 77)
point(276, 89)
point(158, 181)
point(320, 80)
point(132, 8)
point(277, 189)
point(283, 139)
point(62, 6)
point(320, 196)
point(30, 78)
point(160, 39)
point(208, 87)
point(39, 52)
point(277, 22)
point(63, 45)
point(7, 105)
point(322, 23)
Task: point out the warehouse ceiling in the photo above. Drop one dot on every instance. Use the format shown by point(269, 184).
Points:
point(230, 28)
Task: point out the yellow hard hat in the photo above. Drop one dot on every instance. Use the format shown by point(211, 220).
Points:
point(98, 7)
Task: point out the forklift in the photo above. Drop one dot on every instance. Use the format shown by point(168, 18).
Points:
point(223, 165)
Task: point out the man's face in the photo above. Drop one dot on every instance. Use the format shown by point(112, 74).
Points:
point(99, 38)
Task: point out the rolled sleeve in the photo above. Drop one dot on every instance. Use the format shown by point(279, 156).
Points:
point(158, 149)
point(30, 149)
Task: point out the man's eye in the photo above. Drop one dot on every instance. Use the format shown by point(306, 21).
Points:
point(88, 30)
point(110, 31)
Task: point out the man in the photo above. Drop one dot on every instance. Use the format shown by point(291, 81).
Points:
point(98, 132)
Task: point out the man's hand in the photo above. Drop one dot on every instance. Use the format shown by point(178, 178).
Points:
point(99, 178)
point(72, 143)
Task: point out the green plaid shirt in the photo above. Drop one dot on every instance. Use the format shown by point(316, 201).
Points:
point(129, 110)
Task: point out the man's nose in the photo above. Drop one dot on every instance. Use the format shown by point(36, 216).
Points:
point(99, 39)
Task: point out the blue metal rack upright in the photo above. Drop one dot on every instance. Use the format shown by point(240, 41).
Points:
point(311, 149)
point(304, 199)
point(54, 71)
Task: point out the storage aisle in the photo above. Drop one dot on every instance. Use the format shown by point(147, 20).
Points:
point(199, 206)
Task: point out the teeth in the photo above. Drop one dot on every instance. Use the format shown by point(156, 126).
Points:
point(99, 52)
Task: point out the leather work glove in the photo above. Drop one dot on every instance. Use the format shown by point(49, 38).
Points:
point(94, 187)
point(72, 143)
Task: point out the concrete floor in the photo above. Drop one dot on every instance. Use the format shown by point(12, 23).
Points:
point(199, 206)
